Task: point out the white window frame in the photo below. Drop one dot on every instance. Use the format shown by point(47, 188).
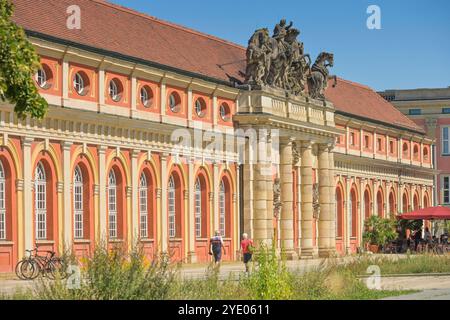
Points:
point(173, 103)
point(112, 204)
point(2, 203)
point(445, 191)
point(144, 96)
point(171, 199)
point(41, 78)
point(445, 142)
point(143, 206)
point(40, 202)
point(198, 208)
point(78, 205)
point(222, 208)
point(78, 83)
point(113, 90)
point(223, 111)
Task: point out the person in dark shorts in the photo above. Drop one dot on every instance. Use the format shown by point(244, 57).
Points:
point(246, 248)
point(216, 247)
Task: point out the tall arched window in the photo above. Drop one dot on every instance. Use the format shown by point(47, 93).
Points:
point(353, 213)
point(380, 204)
point(392, 208)
point(172, 209)
point(112, 204)
point(222, 209)
point(198, 208)
point(143, 206)
point(366, 204)
point(40, 202)
point(405, 203)
point(2, 203)
point(339, 212)
point(78, 203)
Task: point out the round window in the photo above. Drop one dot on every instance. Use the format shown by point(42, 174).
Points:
point(79, 84)
point(43, 77)
point(224, 112)
point(200, 108)
point(174, 102)
point(115, 90)
point(146, 96)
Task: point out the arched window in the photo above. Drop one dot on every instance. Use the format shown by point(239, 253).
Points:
point(366, 204)
point(40, 202)
point(198, 208)
point(222, 209)
point(405, 203)
point(380, 204)
point(353, 213)
point(2, 203)
point(392, 209)
point(143, 206)
point(172, 209)
point(112, 204)
point(339, 212)
point(78, 203)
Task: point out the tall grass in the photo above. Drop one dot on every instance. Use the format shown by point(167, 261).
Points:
point(115, 274)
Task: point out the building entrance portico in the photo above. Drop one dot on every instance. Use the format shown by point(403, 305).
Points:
point(288, 158)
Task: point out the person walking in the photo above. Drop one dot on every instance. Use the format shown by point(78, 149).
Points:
point(247, 250)
point(216, 247)
point(417, 238)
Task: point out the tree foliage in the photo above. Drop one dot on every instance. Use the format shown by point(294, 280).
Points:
point(18, 64)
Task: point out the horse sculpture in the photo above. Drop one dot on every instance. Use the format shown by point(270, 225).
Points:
point(279, 61)
point(319, 76)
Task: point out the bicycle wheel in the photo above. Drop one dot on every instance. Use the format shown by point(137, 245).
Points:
point(56, 267)
point(29, 269)
point(18, 270)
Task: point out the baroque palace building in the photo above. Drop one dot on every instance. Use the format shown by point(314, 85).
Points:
point(156, 133)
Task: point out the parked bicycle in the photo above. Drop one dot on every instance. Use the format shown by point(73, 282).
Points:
point(33, 265)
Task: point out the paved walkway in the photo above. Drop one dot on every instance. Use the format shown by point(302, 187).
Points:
point(433, 287)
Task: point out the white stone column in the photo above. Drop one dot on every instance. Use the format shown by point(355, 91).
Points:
point(307, 250)
point(215, 208)
point(287, 213)
point(135, 195)
point(27, 193)
point(67, 194)
point(102, 232)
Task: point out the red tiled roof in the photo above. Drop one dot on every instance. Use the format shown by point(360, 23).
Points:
point(360, 100)
point(121, 30)
point(115, 28)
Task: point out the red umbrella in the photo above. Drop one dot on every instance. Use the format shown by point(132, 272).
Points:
point(430, 213)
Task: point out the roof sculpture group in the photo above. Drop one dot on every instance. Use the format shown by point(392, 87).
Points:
point(280, 61)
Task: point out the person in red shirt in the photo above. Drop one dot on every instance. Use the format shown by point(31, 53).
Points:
point(246, 246)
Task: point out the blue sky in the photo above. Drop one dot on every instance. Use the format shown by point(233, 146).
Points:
point(411, 50)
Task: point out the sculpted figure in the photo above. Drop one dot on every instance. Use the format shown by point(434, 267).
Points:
point(280, 30)
point(298, 64)
point(258, 57)
point(318, 79)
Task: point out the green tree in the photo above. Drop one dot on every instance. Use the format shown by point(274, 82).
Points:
point(18, 64)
